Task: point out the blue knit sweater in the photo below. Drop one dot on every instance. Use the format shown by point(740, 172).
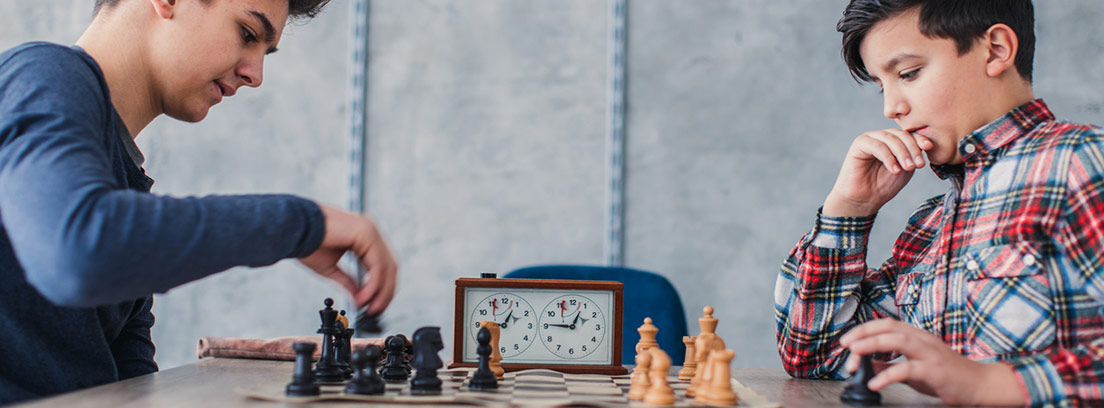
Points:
point(84, 245)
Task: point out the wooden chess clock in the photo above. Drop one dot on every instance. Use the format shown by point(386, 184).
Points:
point(569, 326)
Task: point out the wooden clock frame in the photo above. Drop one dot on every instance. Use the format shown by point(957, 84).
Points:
point(618, 288)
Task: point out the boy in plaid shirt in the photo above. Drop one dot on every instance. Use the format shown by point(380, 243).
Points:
point(994, 292)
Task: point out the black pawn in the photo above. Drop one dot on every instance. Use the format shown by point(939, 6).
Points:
point(366, 381)
point(856, 392)
point(327, 369)
point(427, 345)
point(483, 379)
point(302, 380)
point(344, 351)
point(394, 367)
point(408, 352)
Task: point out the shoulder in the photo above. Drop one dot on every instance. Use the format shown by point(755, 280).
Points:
point(43, 80)
point(39, 70)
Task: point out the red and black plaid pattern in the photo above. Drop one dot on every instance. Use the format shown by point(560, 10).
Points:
point(1004, 267)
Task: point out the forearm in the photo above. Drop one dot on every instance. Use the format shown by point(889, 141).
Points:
point(123, 244)
point(1061, 377)
point(818, 296)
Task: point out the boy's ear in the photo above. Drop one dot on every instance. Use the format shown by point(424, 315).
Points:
point(1002, 45)
point(163, 8)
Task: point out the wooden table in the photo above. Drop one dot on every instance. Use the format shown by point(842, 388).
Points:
point(211, 382)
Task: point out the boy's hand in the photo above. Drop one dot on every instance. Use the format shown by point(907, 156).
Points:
point(346, 231)
point(877, 166)
point(931, 366)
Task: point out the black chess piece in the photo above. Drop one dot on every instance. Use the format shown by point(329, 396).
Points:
point(408, 352)
point(367, 324)
point(856, 392)
point(483, 379)
point(302, 380)
point(366, 381)
point(327, 369)
point(394, 367)
point(427, 343)
point(344, 351)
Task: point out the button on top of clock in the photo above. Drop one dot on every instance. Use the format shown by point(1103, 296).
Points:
point(486, 275)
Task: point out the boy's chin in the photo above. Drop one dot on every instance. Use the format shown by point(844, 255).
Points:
point(189, 115)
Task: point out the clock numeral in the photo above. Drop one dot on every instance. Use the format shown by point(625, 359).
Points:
point(551, 313)
point(526, 338)
point(482, 312)
point(550, 339)
point(570, 351)
point(584, 347)
point(530, 326)
point(527, 315)
point(573, 301)
point(558, 347)
point(594, 315)
point(516, 346)
point(546, 326)
point(597, 327)
point(503, 349)
point(592, 339)
point(477, 325)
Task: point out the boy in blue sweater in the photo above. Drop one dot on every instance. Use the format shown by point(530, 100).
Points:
point(83, 244)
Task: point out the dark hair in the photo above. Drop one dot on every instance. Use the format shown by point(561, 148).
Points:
point(296, 8)
point(963, 21)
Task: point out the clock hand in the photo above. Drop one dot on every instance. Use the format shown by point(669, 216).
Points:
point(569, 326)
point(506, 320)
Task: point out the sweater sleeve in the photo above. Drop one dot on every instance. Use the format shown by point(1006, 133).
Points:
point(824, 288)
point(81, 237)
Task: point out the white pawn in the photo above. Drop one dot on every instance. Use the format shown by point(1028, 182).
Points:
point(639, 384)
point(660, 393)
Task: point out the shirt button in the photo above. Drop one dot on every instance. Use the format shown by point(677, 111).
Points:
point(969, 148)
point(972, 265)
point(1029, 259)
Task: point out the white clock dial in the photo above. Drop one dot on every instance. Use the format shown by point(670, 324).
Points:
point(516, 321)
point(572, 326)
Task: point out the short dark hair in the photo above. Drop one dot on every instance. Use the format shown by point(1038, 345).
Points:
point(963, 21)
point(297, 9)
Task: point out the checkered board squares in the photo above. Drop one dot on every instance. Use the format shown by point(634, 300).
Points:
point(529, 388)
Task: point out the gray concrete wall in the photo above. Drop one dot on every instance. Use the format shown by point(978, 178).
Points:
point(486, 147)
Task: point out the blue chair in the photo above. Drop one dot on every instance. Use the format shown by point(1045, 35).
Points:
point(646, 294)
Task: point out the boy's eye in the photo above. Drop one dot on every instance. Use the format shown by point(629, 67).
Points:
point(910, 75)
point(247, 36)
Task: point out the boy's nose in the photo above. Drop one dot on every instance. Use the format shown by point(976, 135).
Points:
point(251, 72)
point(894, 106)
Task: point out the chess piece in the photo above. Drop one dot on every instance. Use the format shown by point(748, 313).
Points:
point(718, 391)
point(856, 392)
point(367, 324)
point(660, 392)
point(408, 353)
point(327, 369)
point(427, 343)
point(484, 378)
point(342, 319)
point(687, 371)
point(704, 343)
point(366, 381)
point(639, 384)
point(302, 380)
point(647, 335)
point(496, 354)
point(647, 340)
point(344, 351)
point(394, 367)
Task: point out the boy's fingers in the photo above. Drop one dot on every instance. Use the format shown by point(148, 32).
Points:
point(896, 373)
point(912, 144)
point(899, 148)
point(880, 151)
point(868, 329)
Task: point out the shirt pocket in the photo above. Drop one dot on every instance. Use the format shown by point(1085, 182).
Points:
point(1009, 307)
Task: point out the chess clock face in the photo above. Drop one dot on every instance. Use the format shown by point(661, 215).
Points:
point(568, 326)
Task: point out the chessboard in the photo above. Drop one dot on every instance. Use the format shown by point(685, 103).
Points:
point(539, 387)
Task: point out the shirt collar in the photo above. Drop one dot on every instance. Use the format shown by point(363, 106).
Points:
point(1015, 124)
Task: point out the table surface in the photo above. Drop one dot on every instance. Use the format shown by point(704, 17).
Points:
point(211, 382)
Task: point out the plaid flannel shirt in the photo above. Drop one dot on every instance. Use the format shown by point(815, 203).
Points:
point(1004, 267)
